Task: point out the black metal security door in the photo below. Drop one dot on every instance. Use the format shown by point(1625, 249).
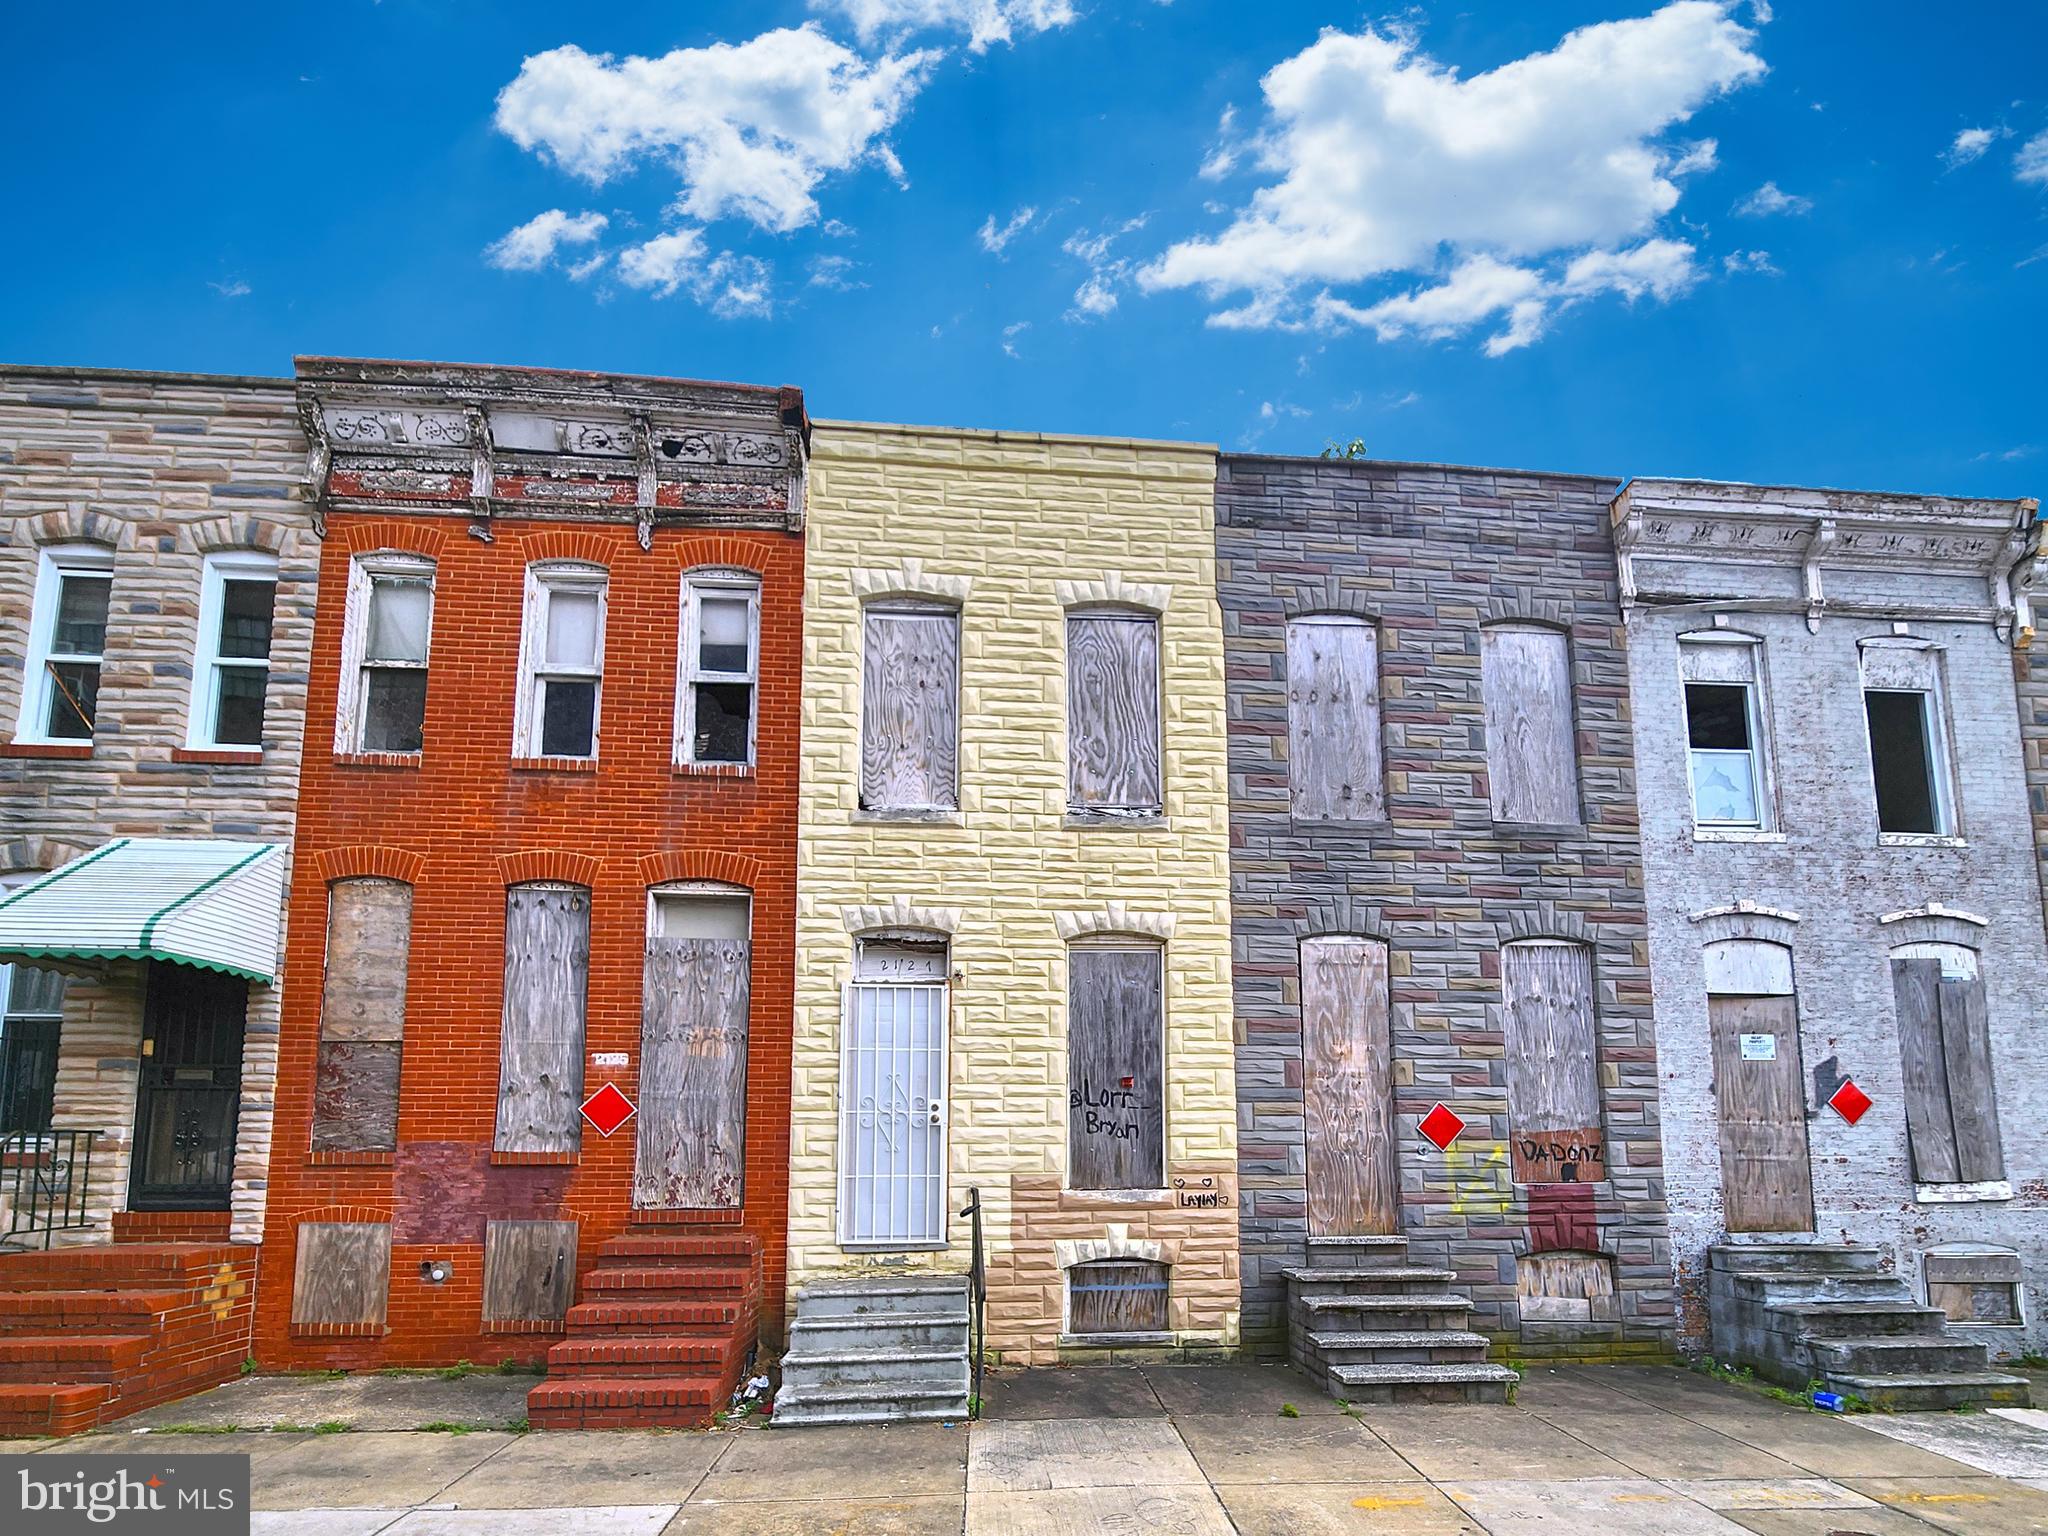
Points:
point(185, 1109)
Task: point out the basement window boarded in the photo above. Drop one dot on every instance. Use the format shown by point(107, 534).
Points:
point(1117, 1299)
point(1975, 1287)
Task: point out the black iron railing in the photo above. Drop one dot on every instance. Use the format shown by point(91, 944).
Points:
point(977, 1301)
point(44, 1177)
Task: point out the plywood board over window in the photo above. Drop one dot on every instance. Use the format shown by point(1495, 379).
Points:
point(1333, 720)
point(1945, 1050)
point(1113, 741)
point(362, 1016)
point(1551, 1035)
point(690, 1149)
point(1531, 749)
point(1347, 1089)
point(1116, 1122)
point(910, 708)
point(342, 1273)
point(547, 970)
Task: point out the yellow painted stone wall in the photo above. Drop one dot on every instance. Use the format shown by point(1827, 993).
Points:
point(1017, 528)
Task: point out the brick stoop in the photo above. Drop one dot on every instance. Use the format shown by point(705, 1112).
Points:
point(89, 1335)
point(661, 1337)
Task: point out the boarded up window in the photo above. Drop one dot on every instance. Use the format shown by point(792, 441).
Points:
point(691, 1143)
point(1565, 1287)
point(1116, 1118)
point(1531, 753)
point(362, 1016)
point(1945, 1048)
point(1113, 712)
point(909, 750)
point(547, 969)
point(529, 1271)
point(1347, 1089)
point(342, 1273)
point(1980, 1287)
point(1333, 720)
point(1553, 1076)
point(1117, 1296)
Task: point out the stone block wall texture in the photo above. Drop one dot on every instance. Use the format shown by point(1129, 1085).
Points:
point(1430, 554)
point(1832, 874)
point(1020, 525)
point(451, 821)
point(161, 469)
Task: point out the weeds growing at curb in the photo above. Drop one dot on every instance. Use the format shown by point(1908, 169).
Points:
point(446, 1427)
point(1289, 1411)
point(197, 1429)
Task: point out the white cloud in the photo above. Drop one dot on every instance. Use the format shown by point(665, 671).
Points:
point(1222, 160)
point(1971, 144)
point(1389, 162)
point(995, 238)
point(1011, 332)
point(231, 288)
point(1696, 158)
point(1770, 198)
point(1759, 262)
point(984, 21)
point(834, 273)
point(532, 246)
point(1761, 10)
point(729, 286)
point(1097, 295)
point(2031, 163)
point(750, 128)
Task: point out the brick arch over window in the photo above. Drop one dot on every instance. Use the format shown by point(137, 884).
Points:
point(79, 525)
point(1345, 917)
point(725, 551)
point(213, 534)
point(1545, 612)
point(1114, 920)
point(368, 861)
point(397, 534)
point(911, 578)
point(1546, 920)
point(1935, 923)
point(717, 864)
point(1114, 591)
point(901, 913)
point(582, 545)
point(1746, 920)
point(549, 864)
point(1328, 600)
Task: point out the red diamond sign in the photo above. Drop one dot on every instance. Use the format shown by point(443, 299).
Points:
point(1849, 1101)
point(1441, 1126)
point(607, 1109)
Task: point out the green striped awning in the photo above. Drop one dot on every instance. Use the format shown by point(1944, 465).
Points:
point(208, 902)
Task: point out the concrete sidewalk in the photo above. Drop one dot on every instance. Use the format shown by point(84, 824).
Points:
point(1190, 1449)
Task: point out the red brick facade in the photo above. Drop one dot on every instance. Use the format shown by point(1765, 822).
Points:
point(463, 821)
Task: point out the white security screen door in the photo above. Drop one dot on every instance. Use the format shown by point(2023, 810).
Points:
point(892, 1109)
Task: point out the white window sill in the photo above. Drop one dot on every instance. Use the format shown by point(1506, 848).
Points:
point(1162, 1197)
point(1962, 1194)
point(1131, 821)
point(934, 816)
point(886, 1248)
point(1919, 840)
point(1735, 835)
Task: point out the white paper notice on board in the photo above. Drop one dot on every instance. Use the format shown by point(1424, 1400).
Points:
point(1759, 1047)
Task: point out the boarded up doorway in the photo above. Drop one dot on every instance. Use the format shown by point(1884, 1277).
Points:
point(1759, 1087)
point(691, 1147)
point(1347, 1089)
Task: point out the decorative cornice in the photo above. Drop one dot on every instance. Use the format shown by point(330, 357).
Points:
point(1114, 591)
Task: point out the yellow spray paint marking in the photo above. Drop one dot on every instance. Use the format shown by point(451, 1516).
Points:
point(1641, 1498)
point(1938, 1498)
point(1478, 1179)
point(1373, 1501)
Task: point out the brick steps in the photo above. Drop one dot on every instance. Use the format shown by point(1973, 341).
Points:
point(30, 1357)
point(51, 1408)
point(660, 1336)
point(80, 1311)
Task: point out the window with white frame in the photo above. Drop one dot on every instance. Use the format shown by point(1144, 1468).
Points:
point(231, 665)
point(31, 1019)
point(561, 661)
point(67, 642)
point(384, 654)
point(1725, 740)
point(1909, 756)
point(720, 667)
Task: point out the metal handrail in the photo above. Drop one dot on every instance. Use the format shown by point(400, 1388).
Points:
point(46, 1176)
point(977, 1298)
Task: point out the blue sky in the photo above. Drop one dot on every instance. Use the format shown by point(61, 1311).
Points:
point(1620, 238)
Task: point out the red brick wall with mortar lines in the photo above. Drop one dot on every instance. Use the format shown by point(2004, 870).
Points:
point(460, 824)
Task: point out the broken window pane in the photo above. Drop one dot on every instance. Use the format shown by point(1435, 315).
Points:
point(74, 699)
point(395, 708)
point(568, 717)
point(81, 628)
point(722, 634)
point(399, 610)
point(1724, 778)
point(723, 712)
point(238, 708)
point(572, 629)
point(245, 618)
point(1902, 762)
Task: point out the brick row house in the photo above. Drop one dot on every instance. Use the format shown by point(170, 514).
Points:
point(158, 573)
point(548, 833)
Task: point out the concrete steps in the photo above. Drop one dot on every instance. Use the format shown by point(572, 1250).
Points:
point(1796, 1313)
point(875, 1354)
point(1372, 1327)
point(660, 1336)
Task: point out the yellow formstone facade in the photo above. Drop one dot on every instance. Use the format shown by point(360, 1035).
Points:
point(1015, 530)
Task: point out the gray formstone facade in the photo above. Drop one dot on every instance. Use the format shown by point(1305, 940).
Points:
point(1430, 557)
point(1828, 593)
point(151, 474)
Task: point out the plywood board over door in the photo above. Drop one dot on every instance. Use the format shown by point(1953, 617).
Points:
point(1347, 1089)
point(1766, 1179)
point(691, 1145)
